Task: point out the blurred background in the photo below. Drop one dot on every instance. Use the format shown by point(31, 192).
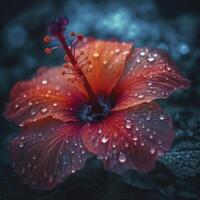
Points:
point(173, 25)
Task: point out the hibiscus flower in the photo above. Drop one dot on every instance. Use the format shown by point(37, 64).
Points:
point(99, 103)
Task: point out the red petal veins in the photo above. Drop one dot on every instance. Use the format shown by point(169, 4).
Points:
point(131, 139)
point(48, 94)
point(44, 154)
point(150, 74)
point(107, 59)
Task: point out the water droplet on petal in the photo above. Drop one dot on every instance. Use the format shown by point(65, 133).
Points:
point(100, 130)
point(141, 96)
point(150, 59)
point(44, 110)
point(136, 128)
point(135, 138)
point(162, 117)
point(126, 144)
point(44, 82)
point(152, 150)
point(128, 124)
point(55, 104)
point(104, 139)
point(122, 158)
point(142, 53)
point(117, 50)
point(95, 55)
point(148, 117)
point(149, 83)
point(33, 113)
point(142, 143)
point(105, 62)
point(21, 145)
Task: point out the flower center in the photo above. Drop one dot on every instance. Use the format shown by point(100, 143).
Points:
point(88, 113)
point(57, 29)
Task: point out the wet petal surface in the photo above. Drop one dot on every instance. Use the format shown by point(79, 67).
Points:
point(107, 63)
point(48, 94)
point(131, 139)
point(44, 154)
point(150, 74)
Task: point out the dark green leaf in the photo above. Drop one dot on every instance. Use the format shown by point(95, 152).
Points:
point(184, 158)
point(139, 180)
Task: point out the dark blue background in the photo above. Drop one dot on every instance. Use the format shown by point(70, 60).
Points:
point(173, 25)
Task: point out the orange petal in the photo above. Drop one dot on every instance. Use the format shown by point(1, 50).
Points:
point(48, 151)
point(150, 74)
point(107, 61)
point(48, 94)
point(130, 139)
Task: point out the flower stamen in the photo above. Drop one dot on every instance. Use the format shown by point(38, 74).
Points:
point(56, 29)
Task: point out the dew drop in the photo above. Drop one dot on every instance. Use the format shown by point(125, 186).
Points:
point(95, 55)
point(152, 150)
point(44, 82)
point(55, 104)
point(34, 157)
point(122, 158)
point(100, 130)
point(113, 145)
point(21, 145)
point(142, 53)
point(125, 52)
point(126, 144)
point(150, 59)
point(135, 138)
point(138, 60)
point(149, 83)
point(162, 117)
point(105, 62)
point(83, 152)
point(148, 117)
point(128, 124)
point(104, 139)
point(117, 50)
point(136, 128)
point(33, 113)
point(44, 110)
point(141, 96)
point(154, 92)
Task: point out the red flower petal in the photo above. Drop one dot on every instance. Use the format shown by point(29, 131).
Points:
point(149, 74)
point(130, 139)
point(44, 154)
point(48, 94)
point(108, 61)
